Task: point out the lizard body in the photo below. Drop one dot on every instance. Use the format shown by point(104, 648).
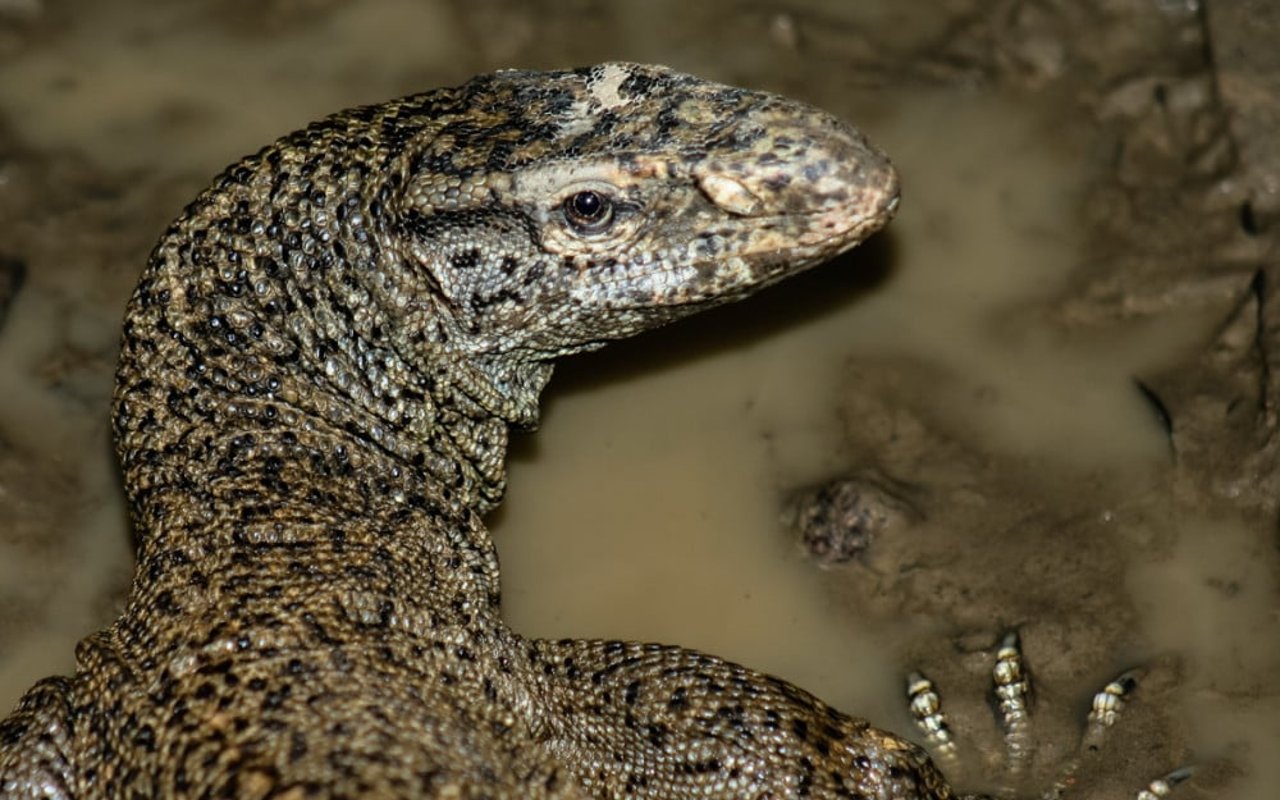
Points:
point(319, 368)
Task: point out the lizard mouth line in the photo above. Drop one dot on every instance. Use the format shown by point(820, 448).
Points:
point(866, 209)
point(842, 227)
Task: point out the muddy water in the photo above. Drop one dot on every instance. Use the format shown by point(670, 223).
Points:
point(647, 505)
point(129, 81)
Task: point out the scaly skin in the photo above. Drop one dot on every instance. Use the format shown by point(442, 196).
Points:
point(319, 368)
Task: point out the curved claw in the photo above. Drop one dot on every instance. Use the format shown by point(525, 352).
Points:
point(926, 709)
point(1163, 787)
point(1013, 696)
point(1104, 712)
point(1107, 706)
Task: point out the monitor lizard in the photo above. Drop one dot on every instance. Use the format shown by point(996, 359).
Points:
point(319, 369)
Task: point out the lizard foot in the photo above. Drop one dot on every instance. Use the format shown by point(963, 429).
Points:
point(1012, 689)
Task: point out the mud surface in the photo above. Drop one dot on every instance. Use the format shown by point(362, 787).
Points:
point(1054, 381)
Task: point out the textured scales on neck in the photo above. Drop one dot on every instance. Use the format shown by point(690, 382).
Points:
point(319, 368)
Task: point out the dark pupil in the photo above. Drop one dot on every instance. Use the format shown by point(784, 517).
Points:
point(587, 205)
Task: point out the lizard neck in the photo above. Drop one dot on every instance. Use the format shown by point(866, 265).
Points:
point(278, 428)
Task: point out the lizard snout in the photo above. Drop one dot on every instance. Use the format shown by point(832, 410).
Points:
point(804, 165)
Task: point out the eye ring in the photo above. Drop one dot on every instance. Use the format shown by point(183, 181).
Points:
point(588, 211)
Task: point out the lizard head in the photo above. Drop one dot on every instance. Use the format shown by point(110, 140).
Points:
point(556, 211)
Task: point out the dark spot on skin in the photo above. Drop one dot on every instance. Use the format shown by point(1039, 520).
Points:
point(679, 699)
point(465, 260)
point(777, 183)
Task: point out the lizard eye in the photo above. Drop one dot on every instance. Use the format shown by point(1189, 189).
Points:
point(588, 211)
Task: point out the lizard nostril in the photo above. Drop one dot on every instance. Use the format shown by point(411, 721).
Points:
point(730, 195)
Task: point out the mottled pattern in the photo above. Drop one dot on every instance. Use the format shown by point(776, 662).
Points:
point(840, 520)
point(319, 368)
